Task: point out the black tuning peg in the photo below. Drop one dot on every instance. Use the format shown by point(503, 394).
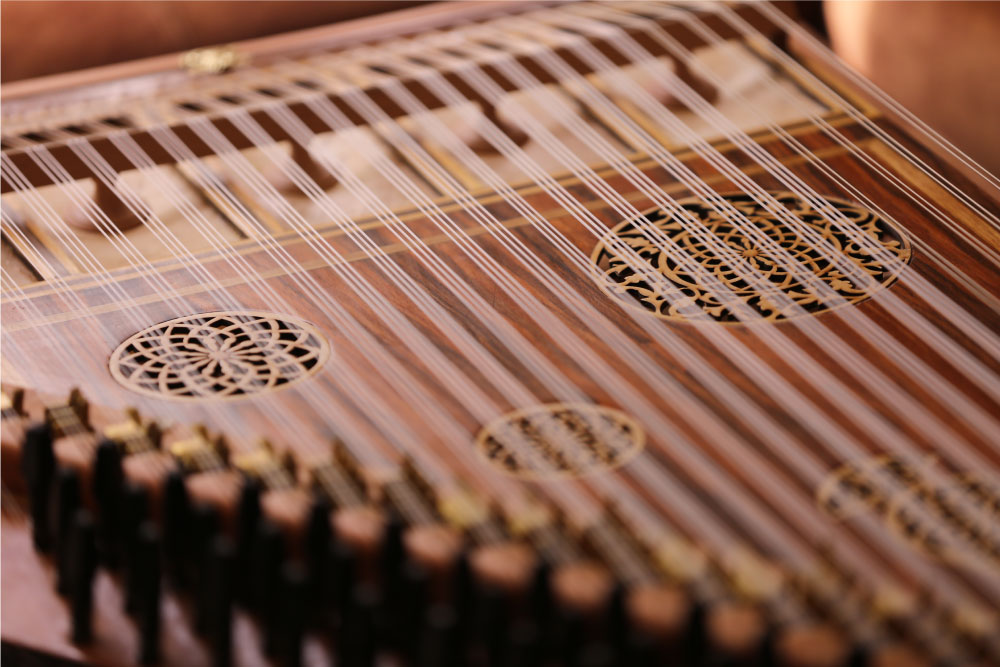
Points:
point(65, 503)
point(204, 529)
point(343, 569)
point(408, 608)
point(83, 557)
point(317, 546)
point(292, 616)
point(357, 640)
point(440, 645)
point(176, 524)
point(268, 556)
point(524, 645)
point(135, 510)
point(38, 466)
point(222, 556)
point(393, 553)
point(107, 481)
point(569, 637)
point(247, 520)
point(615, 619)
point(148, 567)
point(540, 597)
point(491, 624)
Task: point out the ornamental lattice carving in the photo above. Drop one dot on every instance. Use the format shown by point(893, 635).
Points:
point(218, 355)
point(687, 290)
point(560, 439)
point(922, 503)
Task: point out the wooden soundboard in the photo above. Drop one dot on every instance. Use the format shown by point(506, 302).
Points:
point(464, 335)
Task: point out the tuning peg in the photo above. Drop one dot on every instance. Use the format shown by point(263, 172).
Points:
point(12, 401)
point(524, 645)
point(221, 560)
point(318, 533)
point(65, 502)
point(292, 598)
point(735, 633)
point(343, 570)
point(38, 466)
point(269, 554)
point(491, 626)
point(204, 529)
point(107, 486)
point(410, 608)
point(83, 556)
point(147, 564)
point(393, 553)
point(176, 523)
point(135, 510)
point(247, 520)
point(357, 640)
point(807, 644)
point(440, 645)
point(615, 617)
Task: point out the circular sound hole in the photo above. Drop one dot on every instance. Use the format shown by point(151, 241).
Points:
point(218, 355)
point(560, 439)
point(748, 267)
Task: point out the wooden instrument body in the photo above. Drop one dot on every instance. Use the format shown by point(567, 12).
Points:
point(36, 320)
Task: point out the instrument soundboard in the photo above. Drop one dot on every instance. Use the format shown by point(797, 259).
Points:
point(497, 334)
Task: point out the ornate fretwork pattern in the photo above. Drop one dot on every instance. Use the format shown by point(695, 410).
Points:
point(560, 439)
point(649, 241)
point(218, 355)
point(920, 508)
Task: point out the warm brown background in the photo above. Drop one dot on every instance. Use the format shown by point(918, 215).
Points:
point(40, 37)
point(939, 59)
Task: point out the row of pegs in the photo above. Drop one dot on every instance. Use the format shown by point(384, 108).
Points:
point(383, 564)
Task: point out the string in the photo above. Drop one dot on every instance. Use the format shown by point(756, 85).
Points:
point(791, 28)
point(416, 395)
point(949, 438)
point(815, 284)
point(982, 336)
point(108, 229)
point(974, 463)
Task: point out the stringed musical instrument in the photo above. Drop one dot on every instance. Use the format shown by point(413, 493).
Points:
point(497, 334)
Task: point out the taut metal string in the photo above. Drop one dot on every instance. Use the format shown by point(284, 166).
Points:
point(429, 119)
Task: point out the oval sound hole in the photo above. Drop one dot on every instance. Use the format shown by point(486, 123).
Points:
point(218, 355)
point(684, 287)
point(560, 439)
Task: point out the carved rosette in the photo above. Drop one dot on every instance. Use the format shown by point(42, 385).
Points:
point(560, 440)
point(218, 355)
point(683, 289)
